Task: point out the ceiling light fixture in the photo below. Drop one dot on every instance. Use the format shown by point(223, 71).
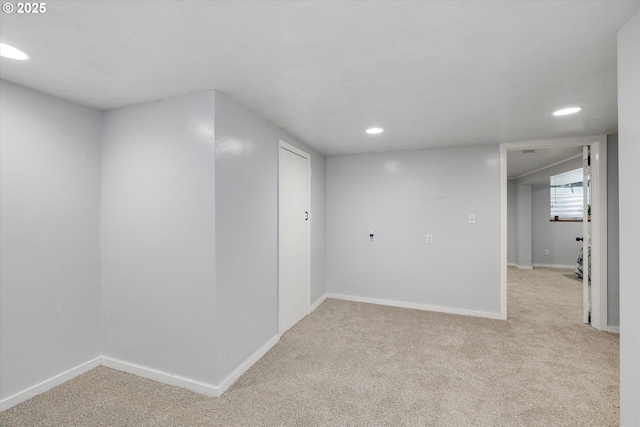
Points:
point(373, 131)
point(11, 52)
point(567, 111)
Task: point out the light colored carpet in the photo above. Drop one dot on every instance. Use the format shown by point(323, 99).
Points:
point(361, 364)
point(573, 276)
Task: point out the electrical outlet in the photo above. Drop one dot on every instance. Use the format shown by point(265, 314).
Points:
point(546, 251)
point(429, 238)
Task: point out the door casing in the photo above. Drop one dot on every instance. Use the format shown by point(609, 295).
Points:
point(598, 145)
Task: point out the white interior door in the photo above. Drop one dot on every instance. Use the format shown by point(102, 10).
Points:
point(294, 237)
point(586, 237)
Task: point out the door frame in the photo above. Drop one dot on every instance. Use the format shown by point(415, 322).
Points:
point(587, 307)
point(598, 145)
point(286, 146)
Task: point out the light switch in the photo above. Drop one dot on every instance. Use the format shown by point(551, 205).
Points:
point(472, 218)
point(429, 238)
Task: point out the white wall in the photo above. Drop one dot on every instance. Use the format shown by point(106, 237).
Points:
point(247, 239)
point(49, 216)
point(318, 225)
point(629, 175)
point(512, 221)
point(523, 225)
point(403, 196)
point(247, 231)
point(613, 234)
point(158, 220)
point(158, 236)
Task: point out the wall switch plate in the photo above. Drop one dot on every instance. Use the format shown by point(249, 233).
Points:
point(546, 251)
point(472, 218)
point(429, 238)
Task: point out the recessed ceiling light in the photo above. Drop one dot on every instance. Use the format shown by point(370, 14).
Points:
point(375, 130)
point(566, 111)
point(7, 51)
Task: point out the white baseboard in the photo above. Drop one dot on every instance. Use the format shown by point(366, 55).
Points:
point(317, 303)
point(249, 362)
point(532, 266)
point(416, 306)
point(570, 267)
point(613, 329)
point(48, 384)
point(141, 371)
point(162, 377)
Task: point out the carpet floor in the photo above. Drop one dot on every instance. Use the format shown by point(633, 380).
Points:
point(356, 364)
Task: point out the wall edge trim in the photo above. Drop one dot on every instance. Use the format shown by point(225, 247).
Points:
point(568, 267)
point(318, 302)
point(416, 306)
point(162, 377)
point(46, 385)
point(248, 363)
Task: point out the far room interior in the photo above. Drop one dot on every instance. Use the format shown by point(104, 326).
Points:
point(185, 189)
point(545, 217)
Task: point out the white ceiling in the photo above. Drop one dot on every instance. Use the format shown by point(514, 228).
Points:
point(432, 73)
point(524, 162)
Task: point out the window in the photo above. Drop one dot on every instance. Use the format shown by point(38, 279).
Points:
point(566, 195)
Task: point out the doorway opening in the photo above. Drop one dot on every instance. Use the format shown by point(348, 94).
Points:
point(598, 229)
